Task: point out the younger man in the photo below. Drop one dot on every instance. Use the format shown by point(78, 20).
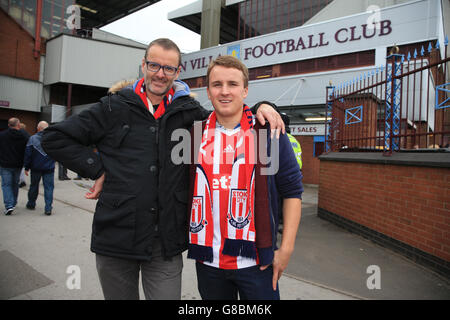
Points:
point(234, 205)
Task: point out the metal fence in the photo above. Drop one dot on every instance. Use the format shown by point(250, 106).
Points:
point(400, 106)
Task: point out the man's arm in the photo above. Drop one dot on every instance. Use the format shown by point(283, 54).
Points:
point(94, 192)
point(292, 211)
point(69, 142)
point(27, 156)
point(266, 110)
point(289, 185)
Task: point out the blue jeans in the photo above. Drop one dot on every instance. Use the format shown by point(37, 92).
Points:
point(251, 283)
point(10, 185)
point(49, 184)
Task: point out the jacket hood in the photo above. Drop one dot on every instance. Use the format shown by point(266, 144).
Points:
point(116, 87)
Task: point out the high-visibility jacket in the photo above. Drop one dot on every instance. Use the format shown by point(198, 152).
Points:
point(297, 149)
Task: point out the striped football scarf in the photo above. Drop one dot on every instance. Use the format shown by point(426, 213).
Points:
point(240, 240)
point(139, 89)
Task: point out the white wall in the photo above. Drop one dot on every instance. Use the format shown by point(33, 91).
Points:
point(98, 34)
point(298, 90)
point(21, 94)
point(90, 62)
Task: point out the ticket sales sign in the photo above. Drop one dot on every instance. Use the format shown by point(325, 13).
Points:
point(406, 23)
point(4, 103)
point(307, 129)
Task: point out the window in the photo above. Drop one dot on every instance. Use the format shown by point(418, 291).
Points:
point(259, 17)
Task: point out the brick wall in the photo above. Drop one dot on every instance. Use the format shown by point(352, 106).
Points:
point(311, 164)
point(410, 204)
point(30, 119)
point(16, 50)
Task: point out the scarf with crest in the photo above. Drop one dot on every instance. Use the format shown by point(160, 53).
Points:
point(140, 90)
point(249, 232)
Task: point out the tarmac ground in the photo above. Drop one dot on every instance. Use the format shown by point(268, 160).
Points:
point(49, 258)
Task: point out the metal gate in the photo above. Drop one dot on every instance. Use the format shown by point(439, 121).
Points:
point(400, 106)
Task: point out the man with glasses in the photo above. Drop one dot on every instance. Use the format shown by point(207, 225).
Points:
point(140, 222)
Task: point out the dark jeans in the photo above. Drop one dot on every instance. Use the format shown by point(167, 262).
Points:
point(62, 172)
point(251, 283)
point(10, 186)
point(48, 181)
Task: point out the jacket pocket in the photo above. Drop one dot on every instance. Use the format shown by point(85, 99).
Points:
point(120, 135)
point(115, 221)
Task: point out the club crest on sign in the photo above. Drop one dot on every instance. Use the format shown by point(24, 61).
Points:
point(198, 221)
point(238, 216)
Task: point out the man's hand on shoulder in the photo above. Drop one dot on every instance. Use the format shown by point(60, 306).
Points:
point(267, 112)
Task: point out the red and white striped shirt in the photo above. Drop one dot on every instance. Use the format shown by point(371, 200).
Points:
point(224, 152)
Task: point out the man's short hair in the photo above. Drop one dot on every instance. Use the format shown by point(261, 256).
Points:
point(13, 122)
point(42, 125)
point(166, 44)
point(228, 62)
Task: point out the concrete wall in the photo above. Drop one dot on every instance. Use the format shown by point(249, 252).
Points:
point(304, 89)
point(90, 62)
point(21, 94)
point(98, 34)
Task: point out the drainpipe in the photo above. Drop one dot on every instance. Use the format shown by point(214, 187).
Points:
point(37, 35)
point(69, 100)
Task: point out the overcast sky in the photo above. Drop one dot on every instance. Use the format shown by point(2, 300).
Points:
point(151, 22)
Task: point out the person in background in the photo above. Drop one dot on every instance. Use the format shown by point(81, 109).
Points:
point(41, 166)
point(62, 172)
point(12, 150)
point(294, 142)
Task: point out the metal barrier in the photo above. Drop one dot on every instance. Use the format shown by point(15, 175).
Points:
point(400, 106)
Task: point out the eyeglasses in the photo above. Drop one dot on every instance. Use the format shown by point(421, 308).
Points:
point(154, 67)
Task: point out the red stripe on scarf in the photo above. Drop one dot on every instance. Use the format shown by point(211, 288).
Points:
point(140, 90)
point(235, 209)
point(261, 204)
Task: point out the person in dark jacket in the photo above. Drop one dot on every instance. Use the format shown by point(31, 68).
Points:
point(12, 149)
point(140, 222)
point(41, 165)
